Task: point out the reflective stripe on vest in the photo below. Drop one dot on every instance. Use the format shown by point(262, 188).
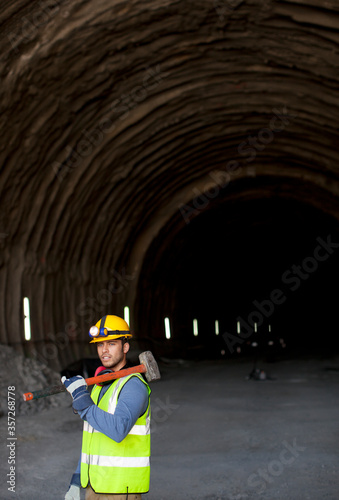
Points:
point(112, 467)
point(115, 461)
point(137, 430)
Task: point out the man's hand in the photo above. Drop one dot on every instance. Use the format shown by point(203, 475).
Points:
point(77, 388)
point(73, 493)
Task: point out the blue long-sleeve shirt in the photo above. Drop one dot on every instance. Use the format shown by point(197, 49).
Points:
point(132, 403)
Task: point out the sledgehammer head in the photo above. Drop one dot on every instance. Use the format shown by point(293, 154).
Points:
point(152, 372)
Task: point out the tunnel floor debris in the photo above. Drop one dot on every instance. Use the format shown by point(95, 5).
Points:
point(216, 435)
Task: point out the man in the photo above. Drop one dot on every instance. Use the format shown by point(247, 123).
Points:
point(115, 457)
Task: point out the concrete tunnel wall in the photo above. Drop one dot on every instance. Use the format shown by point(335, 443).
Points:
point(129, 129)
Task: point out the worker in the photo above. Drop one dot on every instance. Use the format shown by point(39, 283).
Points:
point(115, 456)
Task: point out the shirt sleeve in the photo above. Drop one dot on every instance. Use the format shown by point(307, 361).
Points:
point(132, 403)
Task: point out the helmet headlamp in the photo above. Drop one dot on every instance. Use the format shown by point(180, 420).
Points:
point(94, 331)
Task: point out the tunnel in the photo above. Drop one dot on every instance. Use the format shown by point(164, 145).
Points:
point(175, 158)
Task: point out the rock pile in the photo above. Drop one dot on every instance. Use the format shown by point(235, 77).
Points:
point(26, 375)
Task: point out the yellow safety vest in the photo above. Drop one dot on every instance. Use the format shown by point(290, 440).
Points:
point(111, 467)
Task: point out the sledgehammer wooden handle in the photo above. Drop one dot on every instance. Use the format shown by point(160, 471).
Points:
point(56, 389)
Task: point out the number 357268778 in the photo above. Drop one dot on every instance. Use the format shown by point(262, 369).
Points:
point(11, 410)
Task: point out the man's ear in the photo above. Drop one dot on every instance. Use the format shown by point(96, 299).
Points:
point(126, 347)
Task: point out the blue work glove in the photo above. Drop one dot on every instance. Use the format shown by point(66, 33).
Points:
point(77, 388)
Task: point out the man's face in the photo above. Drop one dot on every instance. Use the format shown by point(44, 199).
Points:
point(112, 353)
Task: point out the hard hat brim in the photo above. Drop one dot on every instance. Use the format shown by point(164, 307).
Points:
point(101, 338)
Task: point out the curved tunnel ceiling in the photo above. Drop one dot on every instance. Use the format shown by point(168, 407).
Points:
point(117, 117)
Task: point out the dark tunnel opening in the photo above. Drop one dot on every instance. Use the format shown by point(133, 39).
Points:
point(255, 272)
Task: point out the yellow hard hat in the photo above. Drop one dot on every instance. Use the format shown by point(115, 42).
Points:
point(109, 327)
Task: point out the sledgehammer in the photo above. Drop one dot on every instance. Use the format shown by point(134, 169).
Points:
point(148, 366)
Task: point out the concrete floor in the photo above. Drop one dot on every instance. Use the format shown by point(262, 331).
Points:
point(215, 435)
